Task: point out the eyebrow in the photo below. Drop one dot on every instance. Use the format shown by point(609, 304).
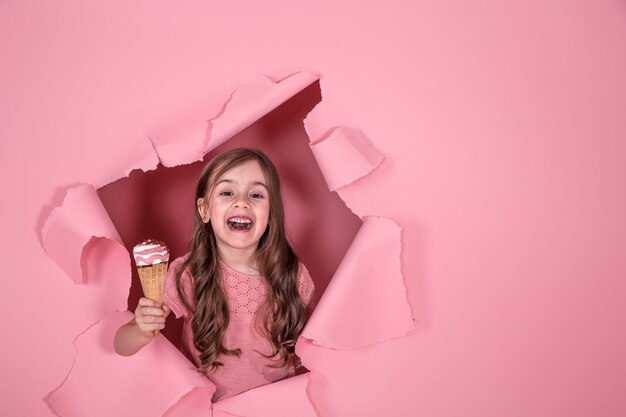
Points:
point(235, 182)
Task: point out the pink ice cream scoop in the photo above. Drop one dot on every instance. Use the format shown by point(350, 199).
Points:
point(151, 252)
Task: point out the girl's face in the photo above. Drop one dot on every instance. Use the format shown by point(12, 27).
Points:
point(238, 207)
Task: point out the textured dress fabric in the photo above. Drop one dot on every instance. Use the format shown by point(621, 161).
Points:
point(245, 294)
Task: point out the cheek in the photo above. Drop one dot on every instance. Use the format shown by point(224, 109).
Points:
point(216, 211)
point(264, 214)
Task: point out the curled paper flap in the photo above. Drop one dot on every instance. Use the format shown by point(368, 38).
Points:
point(182, 141)
point(365, 303)
point(345, 156)
point(103, 383)
point(324, 116)
point(70, 227)
point(189, 138)
point(105, 267)
point(253, 100)
point(285, 398)
point(141, 156)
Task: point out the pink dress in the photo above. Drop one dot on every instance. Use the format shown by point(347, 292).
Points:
point(245, 294)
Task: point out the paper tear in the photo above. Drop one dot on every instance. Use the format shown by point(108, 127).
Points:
point(222, 413)
point(360, 382)
point(103, 383)
point(366, 301)
point(182, 141)
point(344, 156)
point(316, 122)
point(318, 390)
point(367, 282)
point(284, 398)
point(71, 226)
point(190, 138)
point(196, 403)
point(253, 100)
point(51, 393)
point(140, 156)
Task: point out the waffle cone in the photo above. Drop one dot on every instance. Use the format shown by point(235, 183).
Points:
point(153, 280)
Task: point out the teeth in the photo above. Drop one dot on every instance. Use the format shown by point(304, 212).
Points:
point(235, 220)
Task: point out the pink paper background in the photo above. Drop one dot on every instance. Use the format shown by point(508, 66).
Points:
point(502, 127)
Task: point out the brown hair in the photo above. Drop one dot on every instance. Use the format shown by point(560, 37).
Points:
point(283, 315)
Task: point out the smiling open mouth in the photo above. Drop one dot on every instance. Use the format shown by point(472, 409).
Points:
point(238, 223)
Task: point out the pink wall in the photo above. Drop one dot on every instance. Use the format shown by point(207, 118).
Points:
point(503, 130)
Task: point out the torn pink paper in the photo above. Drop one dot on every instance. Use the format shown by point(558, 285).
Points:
point(190, 138)
point(368, 280)
point(183, 140)
point(359, 382)
point(318, 122)
point(106, 268)
point(103, 383)
point(196, 403)
point(70, 227)
point(140, 156)
point(365, 303)
point(253, 100)
point(344, 156)
point(285, 398)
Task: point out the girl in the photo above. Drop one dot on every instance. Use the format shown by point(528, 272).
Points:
point(243, 293)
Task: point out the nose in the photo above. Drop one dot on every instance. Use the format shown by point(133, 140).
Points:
point(242, 201)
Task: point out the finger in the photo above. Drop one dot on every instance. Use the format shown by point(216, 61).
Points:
point(152, 311)
point(147, 302)
point(152, 319)
point(150, 328)
point(157, 326)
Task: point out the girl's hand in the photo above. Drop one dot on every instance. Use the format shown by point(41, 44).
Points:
point(150, 316)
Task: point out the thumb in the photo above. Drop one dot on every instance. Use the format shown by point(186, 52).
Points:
point(166, 309)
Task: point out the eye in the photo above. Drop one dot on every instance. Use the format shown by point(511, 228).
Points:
point(256, 195)
point(226, 193)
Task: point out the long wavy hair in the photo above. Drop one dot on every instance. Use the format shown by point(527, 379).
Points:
point(282, 317)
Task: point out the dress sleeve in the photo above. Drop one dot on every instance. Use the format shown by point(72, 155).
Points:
point(171, 297)
point(306, 288)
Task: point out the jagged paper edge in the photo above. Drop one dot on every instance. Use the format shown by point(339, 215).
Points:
point(61, 229)
point(321, 329)
point(247, 104)
point(57, 399)
point(344, 155)
point(273, 94)
point(219, 130)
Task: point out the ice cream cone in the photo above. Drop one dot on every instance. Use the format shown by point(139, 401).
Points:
point(152, 259)
point(153, 280)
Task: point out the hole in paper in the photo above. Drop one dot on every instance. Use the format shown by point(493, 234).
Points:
point(160, 203)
